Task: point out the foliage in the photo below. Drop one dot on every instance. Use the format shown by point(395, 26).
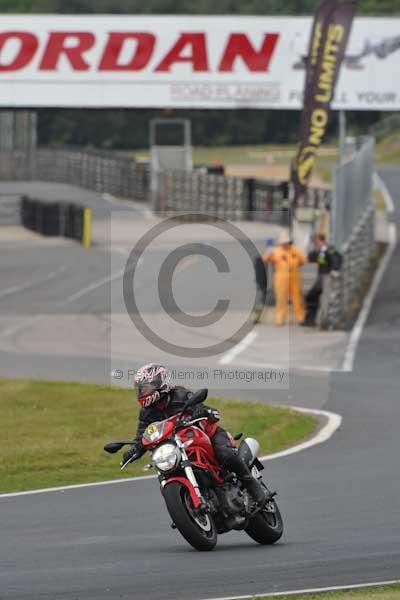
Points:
point(205, 7)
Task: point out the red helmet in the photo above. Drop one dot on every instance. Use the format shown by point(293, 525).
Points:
point(151, 381)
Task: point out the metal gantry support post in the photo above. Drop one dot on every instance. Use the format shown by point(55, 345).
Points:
point(342, 135)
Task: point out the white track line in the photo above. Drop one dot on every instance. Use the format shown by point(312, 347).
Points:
point(21, 325)
point(187, 262)
point(333, 423)
point(32, 283)
point(100, 282)
point(95, 285)
point(75, 487)
point(286, 367)
point(240, 347)
point(79, 294)
point(385, 192)
point(334, 588)
point(356, 332)
point(129, 204)
point(327, 431)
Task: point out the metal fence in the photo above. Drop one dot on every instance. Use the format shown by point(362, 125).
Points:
point(176, 191)
point(199, 193)
point(353, 192)
point(17, 130)
point(211, 195)
point(353, 233)
point(385, 126)
point(103, 172)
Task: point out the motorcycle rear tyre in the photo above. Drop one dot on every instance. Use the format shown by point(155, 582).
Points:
point(262, 530)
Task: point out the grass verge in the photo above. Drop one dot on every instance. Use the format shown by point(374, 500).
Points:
point(388, 592)
point(387, 151)
point(247, 154)
point(53, 432)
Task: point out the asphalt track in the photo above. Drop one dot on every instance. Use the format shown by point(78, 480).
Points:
point(340, 502)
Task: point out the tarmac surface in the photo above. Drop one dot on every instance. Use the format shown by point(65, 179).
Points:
point(340, 501)
point(62, 311)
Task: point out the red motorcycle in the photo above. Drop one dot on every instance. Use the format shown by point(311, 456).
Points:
point(202, 499)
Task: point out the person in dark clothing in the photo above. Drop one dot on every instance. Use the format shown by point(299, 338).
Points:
point(261, 279)
point(329, 262)
point(160, 400)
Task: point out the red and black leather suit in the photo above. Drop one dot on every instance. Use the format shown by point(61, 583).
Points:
point(171, 404)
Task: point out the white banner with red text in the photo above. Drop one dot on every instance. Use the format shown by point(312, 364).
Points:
point(188, 61)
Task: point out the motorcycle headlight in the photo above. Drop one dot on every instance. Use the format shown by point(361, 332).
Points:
point(166, 457)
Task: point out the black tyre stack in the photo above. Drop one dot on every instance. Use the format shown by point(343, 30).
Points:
point(52, 218)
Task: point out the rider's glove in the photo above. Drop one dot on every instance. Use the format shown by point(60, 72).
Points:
point(204, 411)
point(213, 414)
point(131, 454)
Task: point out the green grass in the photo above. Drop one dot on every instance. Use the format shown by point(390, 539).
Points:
point(389, 592)
point(249, 155)
point(379, 201)
point(53, 433)
point(231, 155)
point(388, 149)
point(324, 171)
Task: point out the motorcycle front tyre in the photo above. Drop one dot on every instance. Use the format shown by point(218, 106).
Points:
point(199, 530)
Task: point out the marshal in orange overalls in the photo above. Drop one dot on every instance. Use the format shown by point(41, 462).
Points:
point(287, 260)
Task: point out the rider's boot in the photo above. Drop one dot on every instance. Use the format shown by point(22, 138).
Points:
point(255, 489)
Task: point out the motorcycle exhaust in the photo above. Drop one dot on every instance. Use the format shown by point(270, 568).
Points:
point(248, 451)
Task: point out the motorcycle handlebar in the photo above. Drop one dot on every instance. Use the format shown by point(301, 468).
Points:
point(182, 424)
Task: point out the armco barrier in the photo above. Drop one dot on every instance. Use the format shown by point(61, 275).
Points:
point(56, 219)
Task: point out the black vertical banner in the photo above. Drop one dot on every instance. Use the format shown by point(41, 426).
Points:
point(328, 42)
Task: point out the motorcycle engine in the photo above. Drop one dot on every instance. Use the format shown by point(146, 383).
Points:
point(235, 506)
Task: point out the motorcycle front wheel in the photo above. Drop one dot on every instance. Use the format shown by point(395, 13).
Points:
point(266, 527)
point(197, 529)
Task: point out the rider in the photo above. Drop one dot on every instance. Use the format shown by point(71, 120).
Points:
point(160, 400)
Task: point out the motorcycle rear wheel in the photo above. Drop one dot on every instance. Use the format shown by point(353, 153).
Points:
point(266, 527)
point(198, 530)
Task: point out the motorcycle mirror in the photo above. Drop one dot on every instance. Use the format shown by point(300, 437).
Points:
point(113, 447)
point(198, 397)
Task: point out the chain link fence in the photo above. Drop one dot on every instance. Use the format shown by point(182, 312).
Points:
point(385, 126)
point(17, 130)
point(352, 232)
point(353, 192)
point(230, 198)
point(100, 171)
point(177, 191)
